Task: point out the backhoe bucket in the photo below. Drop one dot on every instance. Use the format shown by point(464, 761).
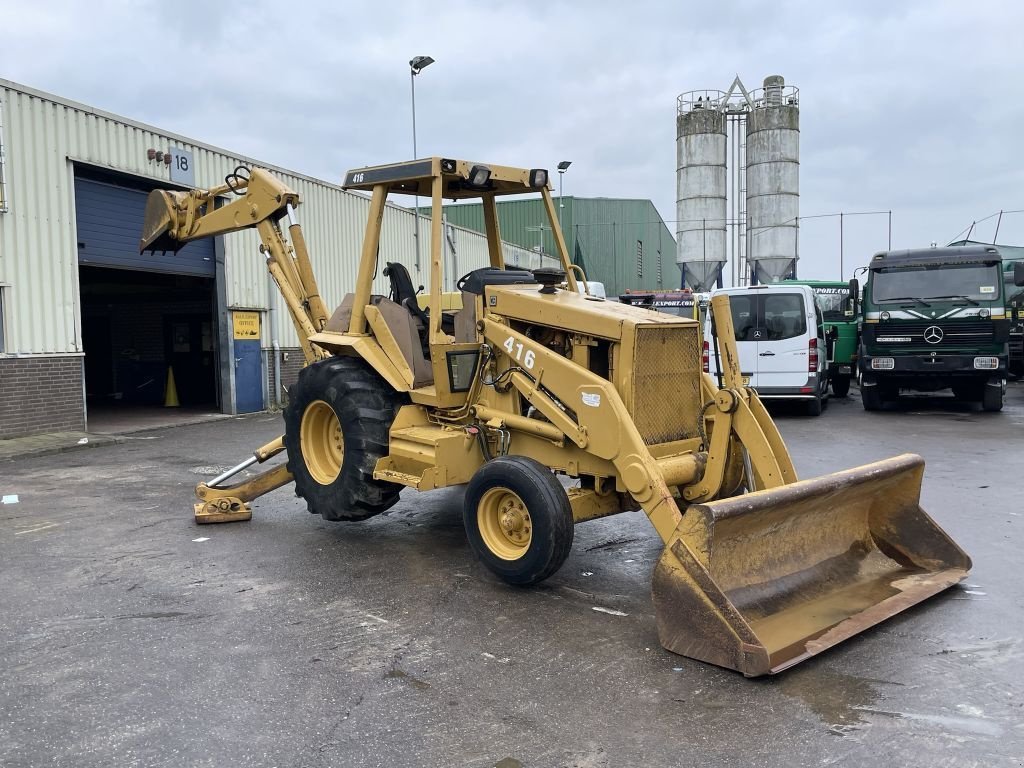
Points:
point(760, 582)
point(158, 222)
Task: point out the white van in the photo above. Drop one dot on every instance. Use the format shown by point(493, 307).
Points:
point(780, 334)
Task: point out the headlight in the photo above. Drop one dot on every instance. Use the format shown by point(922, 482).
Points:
point(883, 315)
point(883, 363)
point(986, 363)
point(479, 175)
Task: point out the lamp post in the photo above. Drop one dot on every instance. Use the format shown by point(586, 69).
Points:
point(562, 168)
point(416, 65)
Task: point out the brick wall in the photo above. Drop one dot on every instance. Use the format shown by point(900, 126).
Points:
point(289, 372)
point(40, 394)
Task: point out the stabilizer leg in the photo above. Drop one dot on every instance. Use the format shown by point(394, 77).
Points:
point(228, 504)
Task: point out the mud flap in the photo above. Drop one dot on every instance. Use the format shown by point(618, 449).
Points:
point(760, 582)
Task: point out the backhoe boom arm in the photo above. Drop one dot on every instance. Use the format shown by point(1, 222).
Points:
point(175, 218)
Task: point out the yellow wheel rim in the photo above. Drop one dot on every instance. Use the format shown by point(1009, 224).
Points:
point(323, 446)
point(504, 523)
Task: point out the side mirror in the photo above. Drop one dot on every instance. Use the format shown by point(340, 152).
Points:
point(1018, 273)
point(854, 294)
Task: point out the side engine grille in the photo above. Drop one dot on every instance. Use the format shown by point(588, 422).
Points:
point(665, 394)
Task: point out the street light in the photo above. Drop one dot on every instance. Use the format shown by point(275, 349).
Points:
point(562, 168)
point(416, 65)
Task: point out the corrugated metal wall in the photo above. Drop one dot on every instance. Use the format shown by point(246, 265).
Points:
point(602, 235)
point(44, 136)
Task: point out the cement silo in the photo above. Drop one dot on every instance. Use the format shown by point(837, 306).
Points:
point(773, 180)
point(700, 188)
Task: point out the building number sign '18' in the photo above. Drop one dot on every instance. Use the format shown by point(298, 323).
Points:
point(183, 169)
point(515, 349)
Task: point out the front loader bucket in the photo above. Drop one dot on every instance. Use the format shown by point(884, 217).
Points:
point(760, 582)
point(158, 222)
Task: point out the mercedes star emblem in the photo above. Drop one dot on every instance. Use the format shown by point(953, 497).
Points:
point(757, 334)
point(933, 334)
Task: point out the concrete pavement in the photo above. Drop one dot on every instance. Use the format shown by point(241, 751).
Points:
point(131, 637)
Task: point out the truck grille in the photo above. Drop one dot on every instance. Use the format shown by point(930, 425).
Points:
point(665, 395)
point(962, 333)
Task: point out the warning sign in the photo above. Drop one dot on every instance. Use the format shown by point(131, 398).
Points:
point(247, 325)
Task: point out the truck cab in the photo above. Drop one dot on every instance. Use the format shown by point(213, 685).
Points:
point(934, 318)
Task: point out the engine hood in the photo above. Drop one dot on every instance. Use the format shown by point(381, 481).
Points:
point(571, 311)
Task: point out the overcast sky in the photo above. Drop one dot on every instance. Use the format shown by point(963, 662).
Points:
point(917, 107)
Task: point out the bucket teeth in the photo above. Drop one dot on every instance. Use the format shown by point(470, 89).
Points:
point(159, 220)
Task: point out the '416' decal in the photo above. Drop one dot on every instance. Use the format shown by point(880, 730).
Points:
point(515, 349)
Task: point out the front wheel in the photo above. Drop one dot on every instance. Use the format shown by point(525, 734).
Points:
point(871, 395)
point(992, 399)
point(518, 519)
point(841, 386)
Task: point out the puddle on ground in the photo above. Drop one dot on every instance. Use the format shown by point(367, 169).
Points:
point(420, 685)
point(974, 725)
point(841, 701)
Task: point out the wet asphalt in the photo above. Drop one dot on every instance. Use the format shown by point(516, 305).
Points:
point(131, 637)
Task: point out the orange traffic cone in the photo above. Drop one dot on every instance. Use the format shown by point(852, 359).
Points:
point(170, 391)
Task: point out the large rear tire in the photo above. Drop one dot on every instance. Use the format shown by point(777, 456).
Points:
point(841, 386)
point(518, 519)
point(336, 429)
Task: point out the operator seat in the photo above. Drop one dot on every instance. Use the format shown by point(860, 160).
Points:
point(403, 292)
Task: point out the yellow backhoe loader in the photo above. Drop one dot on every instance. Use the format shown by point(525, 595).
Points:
point(532, 378)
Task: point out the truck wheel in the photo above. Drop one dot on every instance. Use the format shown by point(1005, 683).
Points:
point(336, 429)
point(871, 395)
point(992, 399)
point(518, 519)
point(841, 386)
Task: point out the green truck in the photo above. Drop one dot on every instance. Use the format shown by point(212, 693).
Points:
point(1015, 314)
point(838, 301)
point(935, 318)
point(1014, 295)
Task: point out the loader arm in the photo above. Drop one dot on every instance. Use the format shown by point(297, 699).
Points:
point(555, 385)
point(174, 218)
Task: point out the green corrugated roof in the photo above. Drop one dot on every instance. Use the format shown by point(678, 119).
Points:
point(609, 237)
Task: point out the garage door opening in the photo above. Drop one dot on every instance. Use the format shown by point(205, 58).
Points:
point(144, 315)
point(137, 328)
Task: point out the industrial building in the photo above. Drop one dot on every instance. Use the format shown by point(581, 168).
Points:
point(622, 243)
point(90, 327)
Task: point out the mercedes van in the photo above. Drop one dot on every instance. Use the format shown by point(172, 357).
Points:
point(780, 335)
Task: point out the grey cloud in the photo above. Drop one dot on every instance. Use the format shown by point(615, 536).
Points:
point(913, 107)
